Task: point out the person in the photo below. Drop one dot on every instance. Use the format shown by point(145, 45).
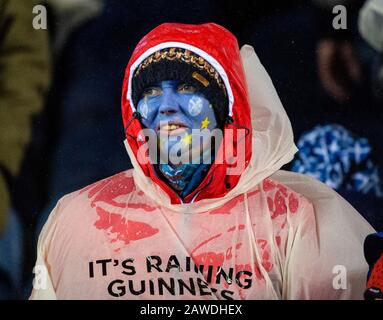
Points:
point(205, 213)
point(373, 252)
point(24, 83)
point(344, 152)
point(24, 63)
point(339, 69)
point(345, 162)
point(370, 23)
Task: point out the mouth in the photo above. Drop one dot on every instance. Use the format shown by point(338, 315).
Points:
point(171, 128)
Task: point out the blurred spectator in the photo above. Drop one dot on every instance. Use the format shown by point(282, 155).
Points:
point(24, 79)
point(373, 252)
point(338, 65)
point(371, 23)
point(343, 161)
point(371, 28)
point(69, 15)
point(345, 150)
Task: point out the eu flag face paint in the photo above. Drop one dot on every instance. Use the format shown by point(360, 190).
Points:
point(173, 110)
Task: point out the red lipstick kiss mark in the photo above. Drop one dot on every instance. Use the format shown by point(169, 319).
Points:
point(277, 206)
point(225, 209)
point(143, 206)
point(107, 190)
point(206, 241)
point(282, 198)
point(265, 253)
point(118, 186)
point(278, 240)
point(293, 203)
point(208, 257)
point(268, 185)
point(121, 229)
point(96, 187)
point(247, 267)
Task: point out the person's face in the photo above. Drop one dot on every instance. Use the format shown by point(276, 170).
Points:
point(173, 110)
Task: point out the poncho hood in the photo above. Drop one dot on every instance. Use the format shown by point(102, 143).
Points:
point(254, 107)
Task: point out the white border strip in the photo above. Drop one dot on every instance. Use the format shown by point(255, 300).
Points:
point(217, 66)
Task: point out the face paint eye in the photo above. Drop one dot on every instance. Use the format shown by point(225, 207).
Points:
point(152, 92)
point(186, 88)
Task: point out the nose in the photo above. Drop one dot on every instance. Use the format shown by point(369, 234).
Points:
point(169, 104)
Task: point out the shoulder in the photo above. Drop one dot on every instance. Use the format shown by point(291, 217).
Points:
point(283, 201)
point(337, 232)
point(109, 188)
point(80, 205)
point(106, 190)
point(111, 191)
point(330, 208)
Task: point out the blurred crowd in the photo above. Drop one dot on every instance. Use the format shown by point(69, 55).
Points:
point(60, 93)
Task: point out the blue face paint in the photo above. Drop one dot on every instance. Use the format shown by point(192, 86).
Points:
point(173, 110)
point(176, 109)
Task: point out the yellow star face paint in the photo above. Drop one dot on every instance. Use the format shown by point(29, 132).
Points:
point(161, 143)
point(205, 123)
point(187, 139)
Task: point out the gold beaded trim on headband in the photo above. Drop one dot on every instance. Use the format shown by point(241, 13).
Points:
point(184, 55)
